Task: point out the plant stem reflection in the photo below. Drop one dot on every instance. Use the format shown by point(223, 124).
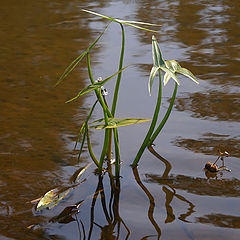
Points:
point(112, 229)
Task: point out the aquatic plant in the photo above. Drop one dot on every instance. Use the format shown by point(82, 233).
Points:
point(171, 68)
point(109, 122)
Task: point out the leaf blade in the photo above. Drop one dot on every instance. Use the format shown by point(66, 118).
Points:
point(156, 52)
point(188, 74)
point(117, 122)
point(75, 62)
point(129, 23)
point(151, 78)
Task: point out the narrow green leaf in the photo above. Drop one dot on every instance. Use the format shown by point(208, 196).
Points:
point(151, 78)
point(188, 74)
point(94, 86)
point(70, 68)
point(100, 15)
point(52, 198)
point(117, 122)
point(129, 23)
point(141, 28)
point(140, 23)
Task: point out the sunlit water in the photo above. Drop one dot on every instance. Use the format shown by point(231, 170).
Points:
point(170, 197)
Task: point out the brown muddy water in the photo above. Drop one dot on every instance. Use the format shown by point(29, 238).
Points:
point(169, 196)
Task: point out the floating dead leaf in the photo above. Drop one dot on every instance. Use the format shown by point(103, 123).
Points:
point(52, 198)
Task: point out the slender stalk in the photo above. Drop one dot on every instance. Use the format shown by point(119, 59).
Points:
point(109, 151)
point(103, 106)
point(152, 126)
point(115, 97)
point(117, 153)
point(84, 127)
point(98, 94)
point(106, 114)
point(90, 150)
point(104, 150)
point(161, 125)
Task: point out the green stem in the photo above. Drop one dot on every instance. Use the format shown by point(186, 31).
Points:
point(90, 149)
point(115, 97)
point(104, 150)
point(97, 92)
point(117, 153)
point(109, 151)
point(152, 126)
point(161, 125)
point(84, 128)
point(104, 107)
point(107, 114)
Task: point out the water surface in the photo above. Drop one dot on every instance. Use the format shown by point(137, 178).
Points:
point(169, 196)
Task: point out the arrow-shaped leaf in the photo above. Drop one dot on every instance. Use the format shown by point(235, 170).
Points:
point(171, 74)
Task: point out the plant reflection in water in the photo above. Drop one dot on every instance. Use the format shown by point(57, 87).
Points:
point(114, 226)
point(111, 212)
point(103, 211)
point(170, 193)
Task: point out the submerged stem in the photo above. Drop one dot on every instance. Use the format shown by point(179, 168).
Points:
point(152, 126)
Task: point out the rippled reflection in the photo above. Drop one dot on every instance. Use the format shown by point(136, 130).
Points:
point(212, 105)
point(221, 220)
point(210, 144)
